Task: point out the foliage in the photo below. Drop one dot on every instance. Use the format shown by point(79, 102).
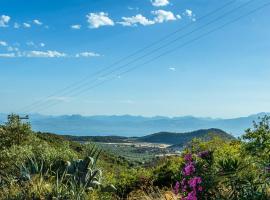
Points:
point(14, 132)
point(48, 166)
point(219, 169)
point(257, 140)
point(167, 171)
point(38, 167)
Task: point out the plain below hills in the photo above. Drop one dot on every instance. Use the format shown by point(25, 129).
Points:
point(161, 137)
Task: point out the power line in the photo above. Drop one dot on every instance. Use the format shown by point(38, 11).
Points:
point(166, 37)
point(153, 51)
point(176, 48)
point(163, 46)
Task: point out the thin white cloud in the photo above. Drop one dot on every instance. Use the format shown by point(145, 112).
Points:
point(42, 44)
point(189, 13)
point(76, 26)
point(97, 20)
point(26, 25)
point(178, 16)
point(37, 22)
point(33, 44)
point(14, 52)
point(17, 25)
point(163, 16)
point(7, 55)
point(4, 20)
point(134, 20)
point(172, 68)
point(30, 43)
point(3, 43)
point(45, 54)
point(159, 3)
point(132, 8)
point(87, 54)
point(10, 48)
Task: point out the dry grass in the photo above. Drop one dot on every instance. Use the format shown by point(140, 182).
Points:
point(151, 194)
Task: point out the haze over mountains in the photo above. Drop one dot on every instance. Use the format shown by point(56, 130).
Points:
point(127, 125)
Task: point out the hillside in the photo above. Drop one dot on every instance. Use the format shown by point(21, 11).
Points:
point(183, 138)
point(31, 163)
point(160, 137)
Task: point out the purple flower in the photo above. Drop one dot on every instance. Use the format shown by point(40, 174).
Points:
point(188, 157)
point(176, 188)
point(183, 182)
point(191, 196)
point(184, 185)
point(203, 154)
point(193, 182)
point(189, 169)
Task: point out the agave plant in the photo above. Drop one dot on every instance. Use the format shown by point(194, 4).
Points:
point(30, 168)
point(83, 173)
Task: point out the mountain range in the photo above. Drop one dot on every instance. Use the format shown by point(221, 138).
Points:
point(127, 125)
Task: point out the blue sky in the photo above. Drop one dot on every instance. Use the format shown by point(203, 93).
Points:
point(47, 45)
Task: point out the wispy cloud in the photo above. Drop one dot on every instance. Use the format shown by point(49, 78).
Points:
point(36, 45)
point(42, 44)
point(87, 54)
point(76, 26)
point(189, 13)
point(17, 25)
point(3, 43)
point(30, 43)
point(159, 3)
point(134, 20)
point(172, 68)
point(132, 8)
point(44, 54)
point(10, 48)
point(37, 22)
point(13, 51)
point(7, 55)
point(97, 20)
point(4, 20)
point(26, 25)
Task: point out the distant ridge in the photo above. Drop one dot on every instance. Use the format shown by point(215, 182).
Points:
point(183, 138)
point(128, 125)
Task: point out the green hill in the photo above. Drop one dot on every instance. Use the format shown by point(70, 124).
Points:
point(183, 138)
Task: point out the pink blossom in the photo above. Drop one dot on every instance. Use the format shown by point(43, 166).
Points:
point(176, 188)
point(189, 169)
point(193, 182)
point(188, 157)
point(192, 196)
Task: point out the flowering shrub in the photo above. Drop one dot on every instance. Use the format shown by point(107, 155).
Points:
point(193, 182)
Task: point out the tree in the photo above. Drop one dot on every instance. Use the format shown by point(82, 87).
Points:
point(14, 131)
point(257, 140)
